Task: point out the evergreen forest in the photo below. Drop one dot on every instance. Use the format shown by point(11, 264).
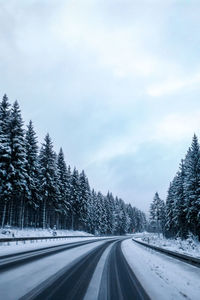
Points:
point(39, 190)
point(179, 216)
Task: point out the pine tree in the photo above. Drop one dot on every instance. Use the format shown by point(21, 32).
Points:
point(121, 217)
point(101, 217)
point(48, 182)
point(5, 156)
point(31, 166)
point(125, 219)
point(92, 213)
point(17, 171)
point(110, 213)
point(170, 226)
point(157, 213)
point(75, 199)
point(84, 196)
point(130, 212)
point(118, 216)
point(179, 204)
point(63, 185)
point(192, 186)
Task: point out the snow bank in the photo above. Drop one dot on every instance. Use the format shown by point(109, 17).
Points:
point(163, 277)
point(39, 232)
point(190, 246)
point(13, 247)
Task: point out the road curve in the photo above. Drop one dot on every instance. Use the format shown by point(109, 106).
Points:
point(72, 283)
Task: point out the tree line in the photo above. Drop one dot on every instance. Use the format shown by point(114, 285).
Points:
point(180, 214)
point(38, 189)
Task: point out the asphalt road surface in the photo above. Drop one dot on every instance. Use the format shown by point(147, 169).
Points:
point(102, 273)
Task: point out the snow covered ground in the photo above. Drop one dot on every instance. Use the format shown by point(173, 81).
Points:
point(21, 246)
point(190, 246)
point(39, 232)
point(162, 277)
point(12, 247)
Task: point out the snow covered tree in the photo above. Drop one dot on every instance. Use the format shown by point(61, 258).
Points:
point(109, 203)
point(131, 214)
point(92, 213)
point(17, 170)
point(101, 216)
point(48, 183)
point(75, 199)
point(63, 185)
point(39, 190)
point(192, 186)
point(179, 204)
point(122, 221)
point(84, 196)
point(32, 171)
point(157, 213)
point(5, 157)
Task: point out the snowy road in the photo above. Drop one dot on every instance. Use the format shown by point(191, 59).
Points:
point(106, 269)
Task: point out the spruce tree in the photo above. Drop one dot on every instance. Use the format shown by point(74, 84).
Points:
point(17, 170)
point(192, 186)
point(75, 199)
point(120, 217)
point(48, 183)
point(63, 185)
point(170, 227)
point(84, 196)
point(157, 213)
point(101, 217)
point(5, 156)
point(31, 165)
point(92, 213)
point(179, 205)
point(110, 213)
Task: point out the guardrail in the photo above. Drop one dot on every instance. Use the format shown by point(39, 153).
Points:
point(186, 258)
point(24, 239)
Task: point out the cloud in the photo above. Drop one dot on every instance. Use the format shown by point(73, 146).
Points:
point(173, 85)
point(86, 71)
point(175, 127)
point(126, 51)
point(116, 147)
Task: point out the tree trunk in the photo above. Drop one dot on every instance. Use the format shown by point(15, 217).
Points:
point(21, 213)
point(57, 220)
point(72, 221)
point(22, 219)
point(44, 215)
point(4, 215)
point(26, 216)
point(11, 213)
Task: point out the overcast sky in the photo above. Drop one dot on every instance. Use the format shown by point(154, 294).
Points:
point(116, 83)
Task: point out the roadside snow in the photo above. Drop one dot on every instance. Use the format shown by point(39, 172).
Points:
point(32, 245)
point(14, 247)
point(161, 276)
point(39, 232)
point(190, 246)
